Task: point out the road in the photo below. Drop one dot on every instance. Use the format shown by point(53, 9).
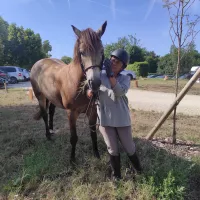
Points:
point(150, 101)
point(20, 85)
point(160, 102)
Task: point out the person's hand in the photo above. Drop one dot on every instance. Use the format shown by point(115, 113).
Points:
point(89, 94)
point(108, 67)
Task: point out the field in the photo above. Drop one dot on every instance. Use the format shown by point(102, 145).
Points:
point(33, 168)
point(160, 85)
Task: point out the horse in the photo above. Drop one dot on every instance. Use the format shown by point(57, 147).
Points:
point(56, 84)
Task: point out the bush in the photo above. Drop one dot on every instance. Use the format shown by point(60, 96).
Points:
point(140, 68)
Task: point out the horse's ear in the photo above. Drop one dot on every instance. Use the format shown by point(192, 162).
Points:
point(76, 31)
point(102, 29)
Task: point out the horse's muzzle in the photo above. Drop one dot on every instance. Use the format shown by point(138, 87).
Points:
point(94, 84)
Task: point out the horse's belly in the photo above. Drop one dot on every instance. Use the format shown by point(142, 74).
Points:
point(54, 98)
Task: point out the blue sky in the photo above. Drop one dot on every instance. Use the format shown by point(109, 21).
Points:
point(52, 19)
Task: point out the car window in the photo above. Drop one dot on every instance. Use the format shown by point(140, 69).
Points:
point(19, 69)
point(10, 69)
point(3, 69)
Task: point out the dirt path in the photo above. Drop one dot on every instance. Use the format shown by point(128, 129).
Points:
point(160, 102)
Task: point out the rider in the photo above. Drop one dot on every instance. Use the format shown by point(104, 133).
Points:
point(113, 111)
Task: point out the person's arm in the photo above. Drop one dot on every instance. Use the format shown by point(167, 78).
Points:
point(120, 89)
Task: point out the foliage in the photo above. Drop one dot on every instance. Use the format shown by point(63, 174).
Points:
point(137, 54)
point(19, 46)
point(66, 59)
point(167, 64)
point(46, 48)
point(140, 68)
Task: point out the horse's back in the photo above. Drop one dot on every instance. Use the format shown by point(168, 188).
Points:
point(44, 78)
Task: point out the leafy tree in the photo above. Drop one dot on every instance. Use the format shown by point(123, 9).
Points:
point(128, 43)
point(19, 46)
point(152, 59)
point(3, 38)
point(66, 59)
point(46, 47)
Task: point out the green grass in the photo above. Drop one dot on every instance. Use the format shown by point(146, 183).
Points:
point(33, 168)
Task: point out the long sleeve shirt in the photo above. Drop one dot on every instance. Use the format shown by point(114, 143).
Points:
point(113, 107)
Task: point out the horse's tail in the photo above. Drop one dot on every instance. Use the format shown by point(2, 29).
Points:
point(42, 110)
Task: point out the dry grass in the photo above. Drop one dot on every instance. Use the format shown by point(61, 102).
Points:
point(33, 168)
point(160, 85)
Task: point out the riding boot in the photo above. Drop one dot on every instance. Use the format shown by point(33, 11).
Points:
point(135, 163)
point(116, 166)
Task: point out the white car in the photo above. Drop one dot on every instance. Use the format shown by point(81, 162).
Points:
point(26, 74)
point(15, 73)
point(129, 73)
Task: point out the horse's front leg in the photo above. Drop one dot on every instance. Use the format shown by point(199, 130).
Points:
point(72, 116)
point(51, 114)
point(92, 117)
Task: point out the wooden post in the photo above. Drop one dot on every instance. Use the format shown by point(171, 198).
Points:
point(183, 92)
point(5, 86)
point(136, 83)
point(30, 94)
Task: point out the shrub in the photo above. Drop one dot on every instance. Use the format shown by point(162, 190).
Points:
point(140, 68)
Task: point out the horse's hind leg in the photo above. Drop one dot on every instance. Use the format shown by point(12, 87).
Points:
point(72, 116)
point(92, 124)
point(43, 104)
point(51, 114)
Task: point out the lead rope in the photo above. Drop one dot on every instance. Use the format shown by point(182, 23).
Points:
point(93, 100)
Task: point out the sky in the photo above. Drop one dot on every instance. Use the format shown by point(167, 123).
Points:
point(52, 19)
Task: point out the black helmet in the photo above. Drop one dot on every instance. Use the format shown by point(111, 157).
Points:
point(122, 55)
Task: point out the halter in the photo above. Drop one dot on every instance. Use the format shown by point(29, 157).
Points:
point(91, 67)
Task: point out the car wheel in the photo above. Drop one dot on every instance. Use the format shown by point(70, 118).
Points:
point(13, 80)
point(25, 79)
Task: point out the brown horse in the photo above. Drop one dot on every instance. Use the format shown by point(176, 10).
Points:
point(56, 84)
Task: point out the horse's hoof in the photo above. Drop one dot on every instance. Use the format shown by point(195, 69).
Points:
point(97, 155)
point(73, 161)
point(48, 136)
point(51, 132)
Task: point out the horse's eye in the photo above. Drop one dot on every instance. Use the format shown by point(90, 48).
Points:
point(82, 53)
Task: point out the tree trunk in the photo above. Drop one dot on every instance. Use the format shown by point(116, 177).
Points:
point(176, 93)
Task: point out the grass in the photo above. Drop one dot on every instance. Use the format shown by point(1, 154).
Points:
point(160, 85)
point(33, 168)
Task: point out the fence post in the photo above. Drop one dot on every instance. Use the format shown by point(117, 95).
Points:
point(183, 92)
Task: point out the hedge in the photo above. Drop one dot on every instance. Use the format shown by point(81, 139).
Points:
point(140, 68)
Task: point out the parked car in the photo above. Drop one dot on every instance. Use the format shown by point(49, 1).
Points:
point(15, 73)
point(152, 76)
point(26, 74)
point(129, 73)
point(4, 75)
point(1, 82)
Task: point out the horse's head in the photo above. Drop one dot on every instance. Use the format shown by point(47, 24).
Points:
point(89, 54)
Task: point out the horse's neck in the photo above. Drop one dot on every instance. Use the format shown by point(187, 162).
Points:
point(74, 75)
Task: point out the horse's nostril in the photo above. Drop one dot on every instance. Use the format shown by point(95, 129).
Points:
point(90, 84)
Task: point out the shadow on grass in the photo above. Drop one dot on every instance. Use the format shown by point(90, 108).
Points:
point(32, 167)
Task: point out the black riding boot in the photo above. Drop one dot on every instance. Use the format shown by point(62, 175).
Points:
point(135, 163)
point(116, 166)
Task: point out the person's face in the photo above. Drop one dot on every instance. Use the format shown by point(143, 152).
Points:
point(117, 65)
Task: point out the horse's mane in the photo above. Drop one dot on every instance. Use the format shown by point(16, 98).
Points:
point(90, 41)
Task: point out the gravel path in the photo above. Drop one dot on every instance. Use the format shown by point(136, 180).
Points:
point(160, 102)
point(150, 101)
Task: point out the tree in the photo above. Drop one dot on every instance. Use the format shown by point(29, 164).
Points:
point(182, 32)
point(66, 59)
point(3, 38)
point(46, 47)
point(127, 43)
